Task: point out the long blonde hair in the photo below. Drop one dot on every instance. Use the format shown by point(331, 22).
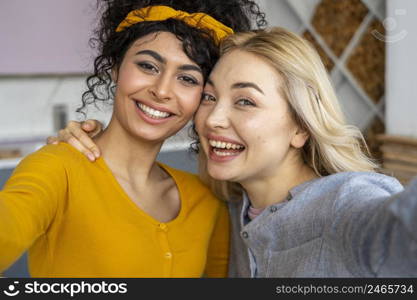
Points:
point(333, 145)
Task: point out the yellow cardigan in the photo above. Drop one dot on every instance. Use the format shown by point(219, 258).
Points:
point(77, 221)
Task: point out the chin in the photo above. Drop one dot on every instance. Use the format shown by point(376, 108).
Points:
point(151, 135)
point(221, 174)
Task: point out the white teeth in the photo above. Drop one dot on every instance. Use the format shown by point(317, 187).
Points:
point(224, 145)
point(156, 114)
point(223, 153)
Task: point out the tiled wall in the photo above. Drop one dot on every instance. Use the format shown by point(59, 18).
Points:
point(397, 21)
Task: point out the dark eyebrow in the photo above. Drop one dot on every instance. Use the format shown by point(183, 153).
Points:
point(191, 68)
point(153, 54)
point(242, 85)
point(162, 60)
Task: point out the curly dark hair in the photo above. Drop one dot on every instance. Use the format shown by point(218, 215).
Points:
point(198, 45)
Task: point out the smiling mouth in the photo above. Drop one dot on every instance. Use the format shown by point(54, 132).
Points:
point(221, 148)
point(151, 112)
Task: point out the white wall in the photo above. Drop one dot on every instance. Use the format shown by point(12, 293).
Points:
point(401, 101)
point(46, 36)
point(26, 104)
point(44, 56)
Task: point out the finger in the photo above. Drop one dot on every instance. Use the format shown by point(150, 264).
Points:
point(87, 142)
point(61, 135)
point(87, 126)
point(99, 125)
point(80, 147)
point(90, 125)
point(96, 126)
point(73, 125)
point(75, 129)
point(52, 140)
point(97, 131)
point(75, 142)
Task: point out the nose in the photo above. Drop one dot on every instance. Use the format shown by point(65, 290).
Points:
point(161, 90)
point(218, 117)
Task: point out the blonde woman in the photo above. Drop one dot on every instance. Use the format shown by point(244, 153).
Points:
point(312, 205)
point(271, 129)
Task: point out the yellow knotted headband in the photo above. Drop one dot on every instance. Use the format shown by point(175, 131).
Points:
point(161, 13)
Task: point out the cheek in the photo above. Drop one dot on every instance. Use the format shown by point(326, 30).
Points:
point(265, 134)
point(190, 101)
point(254, 131)
point(130, 80)
point(200, 118)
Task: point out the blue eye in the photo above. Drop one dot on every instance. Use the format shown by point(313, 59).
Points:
point(207, 98)
point(245, 102)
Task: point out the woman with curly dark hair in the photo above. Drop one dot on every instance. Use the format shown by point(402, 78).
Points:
point(127, 215)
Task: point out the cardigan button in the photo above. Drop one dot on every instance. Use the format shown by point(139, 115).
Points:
point(273, 209)
point(245, 235)
point(162, 226)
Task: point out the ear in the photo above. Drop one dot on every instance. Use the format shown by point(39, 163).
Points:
point(114, 75)
point(300, 138)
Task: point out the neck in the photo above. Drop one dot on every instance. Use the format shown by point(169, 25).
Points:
point(274, 187)
point(126, 155)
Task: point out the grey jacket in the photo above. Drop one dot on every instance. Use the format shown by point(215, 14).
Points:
point(352, 224)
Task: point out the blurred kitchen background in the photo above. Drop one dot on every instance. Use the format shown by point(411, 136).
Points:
point(368, 46)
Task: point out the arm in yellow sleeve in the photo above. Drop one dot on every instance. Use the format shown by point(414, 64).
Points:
point(218, 252)
point(28, 203)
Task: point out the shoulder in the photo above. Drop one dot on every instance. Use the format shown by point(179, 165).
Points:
point(48, 166)
point(59, 155)
point(351, 184)
point(366, 184)
point(345, 190)
point(61, 150)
